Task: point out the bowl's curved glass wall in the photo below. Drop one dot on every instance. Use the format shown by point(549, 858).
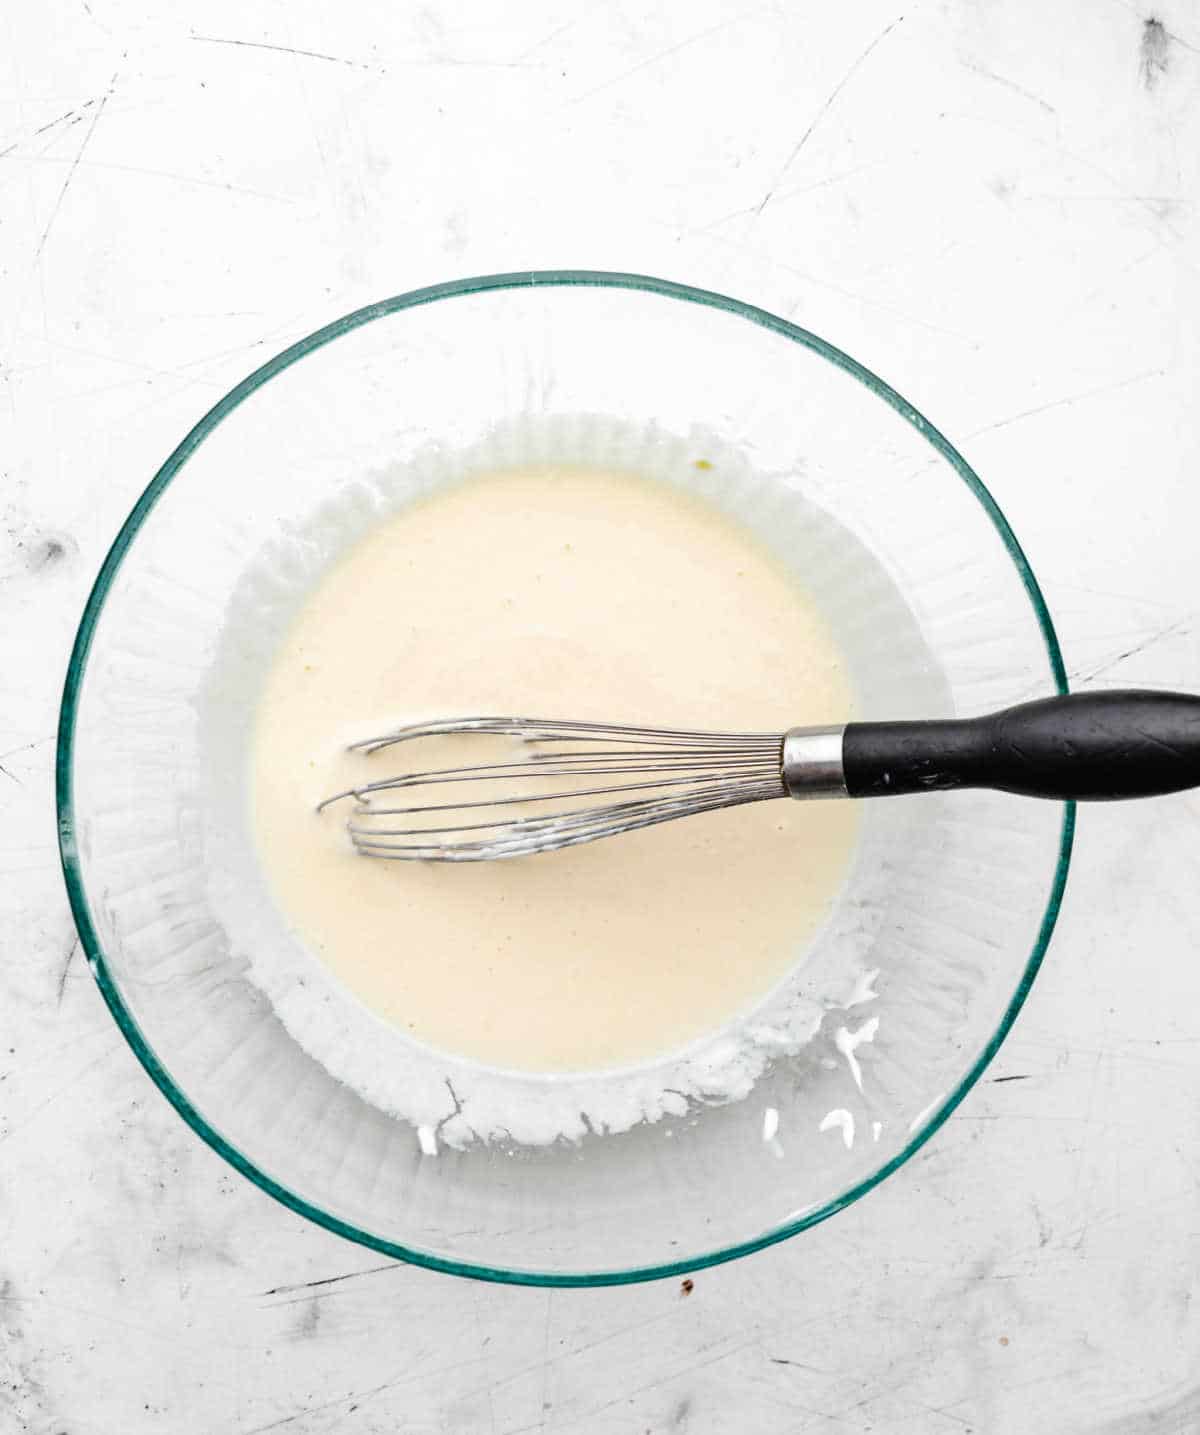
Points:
point(954, 897)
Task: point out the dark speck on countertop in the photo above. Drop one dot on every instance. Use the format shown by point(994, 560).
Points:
point(47, 551)
point(1153, 52)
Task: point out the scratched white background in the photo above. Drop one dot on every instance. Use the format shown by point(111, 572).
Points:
point(995, 207)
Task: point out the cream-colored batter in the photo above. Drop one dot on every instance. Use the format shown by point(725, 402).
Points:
point(558, 592)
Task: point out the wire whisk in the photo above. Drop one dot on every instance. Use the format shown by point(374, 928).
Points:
point(613, 778)
point(603, 779)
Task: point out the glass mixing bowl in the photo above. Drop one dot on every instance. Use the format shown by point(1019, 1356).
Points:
point(951, 900)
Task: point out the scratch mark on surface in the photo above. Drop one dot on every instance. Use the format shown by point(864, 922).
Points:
point(629, 1396)
point(10, 777)
point(69, 118)
point(824, 110)
point(1158, 206)
point(351, 1398)
point(1009, 85)
point(331, 1280)
point(307, 1299)
point(88, 11)
point(996, 1080)
point(756, 252)
point(1067, 399)
point(376, 68)
point(945, 1411)
point(1151, 205)
point(287, 1419)
point(66, 967)
point(1175, 1411)
point(1106, 287)
point(175, 373)
point(284, 50)
point(355, 1398)
point(168, 174)
point(548, 39)
point(70, 114)
point(1093, 592)
point(622, 1332)
point(795, 192)
point(477, 1308)
point(1153, 52)
point(1156, 637)
point(1166, 235)
point(62, 193)
point(452, 62)
point(656, 58)
point(59, 1093)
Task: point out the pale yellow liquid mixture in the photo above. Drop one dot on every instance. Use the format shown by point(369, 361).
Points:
point(558, 593)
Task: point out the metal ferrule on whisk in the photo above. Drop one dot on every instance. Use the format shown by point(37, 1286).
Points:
point(812, 762)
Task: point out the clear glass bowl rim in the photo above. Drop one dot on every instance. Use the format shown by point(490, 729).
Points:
point(77, 665)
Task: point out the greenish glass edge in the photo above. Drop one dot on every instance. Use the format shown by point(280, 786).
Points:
point(78, 661)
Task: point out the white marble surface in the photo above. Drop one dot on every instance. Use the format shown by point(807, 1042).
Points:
point(994, 206)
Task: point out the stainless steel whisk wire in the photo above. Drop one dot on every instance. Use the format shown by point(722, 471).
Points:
point(677, 772)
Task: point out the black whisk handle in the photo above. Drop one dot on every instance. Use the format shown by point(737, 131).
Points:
point(1092, 747)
